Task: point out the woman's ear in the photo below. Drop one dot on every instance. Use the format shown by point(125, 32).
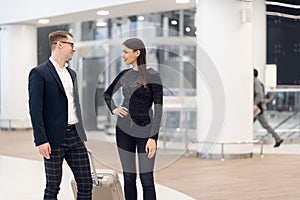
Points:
point(137, 53)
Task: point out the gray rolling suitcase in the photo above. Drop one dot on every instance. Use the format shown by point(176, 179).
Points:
point(106, 183)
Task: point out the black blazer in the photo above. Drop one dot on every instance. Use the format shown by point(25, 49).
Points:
point(48, 105)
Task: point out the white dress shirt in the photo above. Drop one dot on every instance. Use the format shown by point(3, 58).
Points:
point(67, 82)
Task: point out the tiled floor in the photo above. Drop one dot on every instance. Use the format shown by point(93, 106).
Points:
point(276, 176)
point(23, 179)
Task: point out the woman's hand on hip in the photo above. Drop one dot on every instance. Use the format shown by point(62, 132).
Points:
point(121, 111)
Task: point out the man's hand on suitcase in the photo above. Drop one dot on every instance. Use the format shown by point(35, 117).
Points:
point(45, 150)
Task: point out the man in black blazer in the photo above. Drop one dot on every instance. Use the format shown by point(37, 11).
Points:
point(56, 118)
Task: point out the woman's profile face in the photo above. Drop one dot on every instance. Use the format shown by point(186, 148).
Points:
point(129, 55)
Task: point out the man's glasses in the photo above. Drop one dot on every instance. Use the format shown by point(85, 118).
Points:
point(65, 42)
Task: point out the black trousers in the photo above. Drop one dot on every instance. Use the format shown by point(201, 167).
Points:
point(74, 152)
point(128, 147)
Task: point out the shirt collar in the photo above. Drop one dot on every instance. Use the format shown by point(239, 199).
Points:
point(57, 67)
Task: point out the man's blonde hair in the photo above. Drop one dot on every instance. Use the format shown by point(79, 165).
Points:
point(57, 36)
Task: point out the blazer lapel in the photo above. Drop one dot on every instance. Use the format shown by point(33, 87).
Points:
point(72, 74)
point(55, 75)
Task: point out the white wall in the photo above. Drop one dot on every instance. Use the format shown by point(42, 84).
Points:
point(18, 56)
point(225, 83)
point(259, 37)
point(18, 10)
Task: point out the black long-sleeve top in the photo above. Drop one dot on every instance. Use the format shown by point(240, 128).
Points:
point(137, 99)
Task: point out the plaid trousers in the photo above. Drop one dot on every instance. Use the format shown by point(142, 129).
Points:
point(74, 152)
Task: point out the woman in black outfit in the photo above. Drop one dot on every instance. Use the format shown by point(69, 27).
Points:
point(138, 123)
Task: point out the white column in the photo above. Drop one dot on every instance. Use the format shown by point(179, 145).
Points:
point(224, 81)
point(18, 56)
point(259, 37)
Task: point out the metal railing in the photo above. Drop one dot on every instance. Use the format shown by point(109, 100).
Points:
point(223, 143)
point(282, 113)
point(184, 136)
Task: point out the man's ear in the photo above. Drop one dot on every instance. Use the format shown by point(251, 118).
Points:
point(59, 44)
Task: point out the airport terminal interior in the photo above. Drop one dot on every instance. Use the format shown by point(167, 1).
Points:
point(209, 148)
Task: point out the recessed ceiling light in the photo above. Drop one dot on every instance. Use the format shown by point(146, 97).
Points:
point(43, 21)
point(103, 12)
point(101, 24)
point(174, 22)
point(141, 18)
point(182, 1)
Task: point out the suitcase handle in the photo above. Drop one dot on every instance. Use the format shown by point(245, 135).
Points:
point(93, 167)
point(95, 177)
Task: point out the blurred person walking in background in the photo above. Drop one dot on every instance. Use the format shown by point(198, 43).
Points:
point(259, 107)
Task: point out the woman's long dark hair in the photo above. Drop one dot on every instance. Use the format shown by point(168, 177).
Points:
point(137, 44)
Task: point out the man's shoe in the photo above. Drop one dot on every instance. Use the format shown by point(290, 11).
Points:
point(278, 143)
